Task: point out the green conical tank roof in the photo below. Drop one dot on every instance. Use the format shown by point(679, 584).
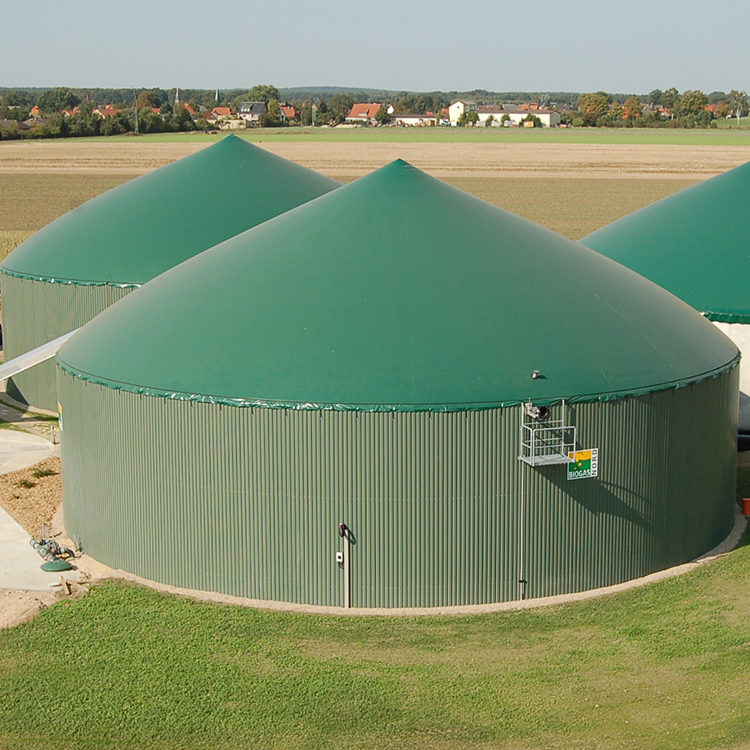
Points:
point(399, 292)
point(693, 243)
point(138, 230)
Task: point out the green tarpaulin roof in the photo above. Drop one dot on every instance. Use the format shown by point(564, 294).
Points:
point(400, 292)
point(693, 243)
point(138, 230)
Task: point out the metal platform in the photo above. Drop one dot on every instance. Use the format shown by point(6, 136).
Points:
point(546, 441)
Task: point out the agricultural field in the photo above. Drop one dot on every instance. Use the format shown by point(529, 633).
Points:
point(570, 188)
point(662, 666)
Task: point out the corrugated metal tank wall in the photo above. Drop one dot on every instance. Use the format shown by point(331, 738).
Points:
point(35, 312)
point(247, 501)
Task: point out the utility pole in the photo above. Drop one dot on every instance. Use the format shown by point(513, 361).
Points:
point(135, 110)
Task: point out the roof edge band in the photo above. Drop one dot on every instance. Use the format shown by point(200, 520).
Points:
point(726, 317)
point(438, 408)
point(69, 282)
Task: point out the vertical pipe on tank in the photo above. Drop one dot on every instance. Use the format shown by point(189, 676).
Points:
point(522, 521)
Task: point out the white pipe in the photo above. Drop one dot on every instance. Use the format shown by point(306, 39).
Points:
point(33, 357)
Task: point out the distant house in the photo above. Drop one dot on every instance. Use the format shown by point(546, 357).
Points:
point(224, 119)
point(548, 117)
point(71, 112)
point(289, 113)
point(251, 112)
point(35, 111)
point(13, 125)
point(487, 111)
point(458, 108)
point(515, 116)
point(428, 119)
point(108, 111)
point(365, 113)
point(188, 109)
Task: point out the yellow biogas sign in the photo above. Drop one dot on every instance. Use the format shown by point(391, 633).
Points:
point(583, 464)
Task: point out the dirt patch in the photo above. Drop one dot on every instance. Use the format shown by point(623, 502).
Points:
point(17, 607)
point(32, 507)
point(21, 606)
point(33, 495)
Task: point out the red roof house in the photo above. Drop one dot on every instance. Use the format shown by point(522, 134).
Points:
point(364, 112)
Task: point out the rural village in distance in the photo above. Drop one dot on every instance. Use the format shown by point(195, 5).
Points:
point(65, 112)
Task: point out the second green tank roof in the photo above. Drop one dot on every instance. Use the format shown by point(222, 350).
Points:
point(399, 292)
point(138, 230)
point(693, 243)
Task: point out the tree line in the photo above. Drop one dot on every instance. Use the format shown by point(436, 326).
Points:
point(690, 109)
point(158, 110)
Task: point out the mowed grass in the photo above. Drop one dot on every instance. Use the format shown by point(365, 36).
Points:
point(664, 666)
point(731, 124)
point(612, 136)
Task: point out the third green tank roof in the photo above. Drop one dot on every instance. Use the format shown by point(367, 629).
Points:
point(693, 243)
point(138, 230)
point(400, 292)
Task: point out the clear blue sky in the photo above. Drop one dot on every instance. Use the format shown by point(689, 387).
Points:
point(540, 45)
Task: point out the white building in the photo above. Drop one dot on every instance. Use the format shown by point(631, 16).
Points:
point(457, 109)
point(548, 117)
point(427, 119)
point(495, 111)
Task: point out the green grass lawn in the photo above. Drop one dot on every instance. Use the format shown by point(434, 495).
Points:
point(633, 136)
point(664, 666)
point(732, 124)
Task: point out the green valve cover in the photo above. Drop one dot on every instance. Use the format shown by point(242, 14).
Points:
point(397, 292)
point(138, 230)
point(693, 243)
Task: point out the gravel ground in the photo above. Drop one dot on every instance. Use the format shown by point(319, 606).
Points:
point(31, 499)
point(32, 507)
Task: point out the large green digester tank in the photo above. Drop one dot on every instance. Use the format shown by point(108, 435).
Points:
point(78, 265)
point(398, 395)
point(694, 244)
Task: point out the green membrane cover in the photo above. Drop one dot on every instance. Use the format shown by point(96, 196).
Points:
point(693, 243)
point(138, 230)
point(397, 292)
